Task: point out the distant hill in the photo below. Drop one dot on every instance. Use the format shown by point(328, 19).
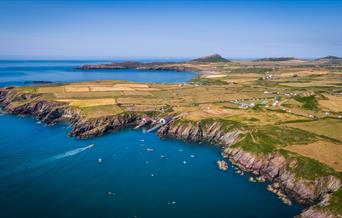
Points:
point(330, 58)
point(277, 59)
point(212, 58)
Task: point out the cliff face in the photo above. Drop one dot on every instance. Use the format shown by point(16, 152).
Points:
point(274, 167)
point(51, 112)
point(29, 104)
point(98, 126)
point(194, 132)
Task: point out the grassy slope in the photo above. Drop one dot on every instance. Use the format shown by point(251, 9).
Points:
point(309, 102)
point(266, 139)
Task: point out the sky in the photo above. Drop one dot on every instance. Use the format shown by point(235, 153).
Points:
point(169, 29)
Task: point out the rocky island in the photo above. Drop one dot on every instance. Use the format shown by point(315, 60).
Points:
point(281, 120)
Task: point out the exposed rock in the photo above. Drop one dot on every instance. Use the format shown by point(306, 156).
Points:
point(193, 132)
point(273, 167)
point(88, 128)
point(313, 212)
point(222, 165)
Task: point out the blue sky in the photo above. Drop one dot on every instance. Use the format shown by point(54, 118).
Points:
point(168, 29)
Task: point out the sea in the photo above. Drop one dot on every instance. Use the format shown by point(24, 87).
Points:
point(130, 173)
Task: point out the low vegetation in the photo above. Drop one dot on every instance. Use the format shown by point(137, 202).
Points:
point(226, 125)
point(309, 102)
point(258, 70)
point(309, 168)
point(202, 81)
point(335, 202)
point(266, 139)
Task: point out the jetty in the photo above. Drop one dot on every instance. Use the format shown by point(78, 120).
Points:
point(165, 121)
point(144, 121)
point(161, 122)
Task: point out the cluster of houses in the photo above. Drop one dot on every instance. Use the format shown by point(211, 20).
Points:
point(269, 76)
point(266, 102)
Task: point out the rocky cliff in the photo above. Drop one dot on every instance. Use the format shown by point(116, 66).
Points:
point(88, 128)
point(51, 112)
point(274, 166)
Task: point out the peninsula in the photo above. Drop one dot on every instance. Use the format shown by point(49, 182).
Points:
point(278, 118)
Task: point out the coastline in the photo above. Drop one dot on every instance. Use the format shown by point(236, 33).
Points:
point(273, 166)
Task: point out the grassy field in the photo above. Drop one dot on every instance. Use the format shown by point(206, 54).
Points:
point(326, 152)
point(331, 128)
point(267, 139)
point(331, 103)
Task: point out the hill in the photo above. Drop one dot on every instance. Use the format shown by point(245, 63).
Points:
point(330, 57)
point(211, 58)
point(277, 59)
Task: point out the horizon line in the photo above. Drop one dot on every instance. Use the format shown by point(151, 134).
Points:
point(105, 58)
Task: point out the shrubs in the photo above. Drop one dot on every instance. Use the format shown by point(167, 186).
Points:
point(227, 125)
point(309, 102)
point(335, 202)
point(205, 81)
point(259, 70)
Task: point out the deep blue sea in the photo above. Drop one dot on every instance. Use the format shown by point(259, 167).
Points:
point(44, 173)
point(30, 72)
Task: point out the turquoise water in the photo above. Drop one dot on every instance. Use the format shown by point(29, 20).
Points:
point(44, 173)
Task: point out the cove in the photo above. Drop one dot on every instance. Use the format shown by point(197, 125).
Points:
point(130, 181)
